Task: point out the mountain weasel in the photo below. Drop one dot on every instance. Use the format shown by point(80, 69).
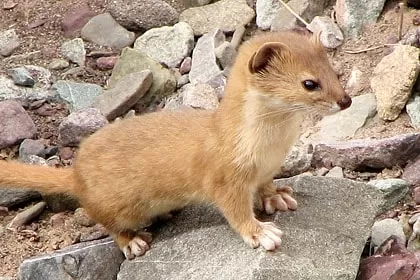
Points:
point(132, 171)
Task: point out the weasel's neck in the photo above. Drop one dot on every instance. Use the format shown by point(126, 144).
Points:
point(257, 134)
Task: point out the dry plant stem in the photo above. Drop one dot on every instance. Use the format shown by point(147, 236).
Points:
point(401, 19)
point(28, 215)
point(294, 13)
point(371, 48)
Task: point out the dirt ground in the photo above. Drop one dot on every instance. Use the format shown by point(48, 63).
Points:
point(38, 24)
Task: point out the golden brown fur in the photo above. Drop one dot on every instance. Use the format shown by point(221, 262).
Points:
point(131, 171)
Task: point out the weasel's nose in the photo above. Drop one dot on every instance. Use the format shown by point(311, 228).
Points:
point(345, 102)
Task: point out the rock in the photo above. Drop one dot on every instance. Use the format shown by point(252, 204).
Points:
point(28, 215)
point(393, 80)
point(124, 95)
point(226, 15)
point(58, 64)
point(168, 45)
point(413, 110)
point(77, 261)
point(142, 15)
point(237, 37)
point(106, 63)
point(58, 220)
point(391, 261)
point(354, 83)
point(22, 77)
point(9, 42)
point(42, 76)
point(131, 61)
point(330, 34)
point(15, 124)
point(297, 161)
point(412, 172)
point(77, 95)
point(225, 54)
point(66, 153)
point(23, 94)
point(411, 37)
point(322, 240)
point(352, 16)
point(393, 189)
point(305, 8)
point(32, 147)
point(182, 81)
point(33, 159)
point(74, 50)
point(104, 30)
point(364, 153)
point(336, 172)
point(75, 18)
point(181, 5)
point(266, 12)
point(13, 197)
point(185, 66)
point(204, 65)
point(201, 96)
point(82, 218)
point(80, 124)
point(344, 124)
point(383, 229)
point(416, 195)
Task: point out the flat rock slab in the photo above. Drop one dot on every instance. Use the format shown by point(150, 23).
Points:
point(323, 239)
point(97, 260)
point(12, 197)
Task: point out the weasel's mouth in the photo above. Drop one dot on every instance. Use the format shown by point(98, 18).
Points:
point(345, 102)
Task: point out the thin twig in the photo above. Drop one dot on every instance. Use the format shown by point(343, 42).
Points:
point(294, 13)
point(23, 55)
point(401, 19)
point(371, 48)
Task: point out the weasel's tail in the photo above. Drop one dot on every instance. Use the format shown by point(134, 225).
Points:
point(42, 178)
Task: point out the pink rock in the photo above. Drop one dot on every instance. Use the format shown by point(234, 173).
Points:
point(391, 262)
point(185, 66)
point(75, 19)
point(364, 153)
point(15, 124)
point(412, 172)
point(106, 63)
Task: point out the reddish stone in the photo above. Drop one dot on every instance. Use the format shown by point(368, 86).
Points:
point(66, 153)
point(106, 63)
point(75, 19)
point(359, 154)
point(412, 172)
point(392, 261)
point(416, 195)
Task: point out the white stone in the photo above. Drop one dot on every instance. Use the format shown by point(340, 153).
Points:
point(168, 44)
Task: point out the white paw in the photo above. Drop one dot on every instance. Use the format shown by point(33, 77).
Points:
point(270, 236)
point(282, 201)
point(136, 247)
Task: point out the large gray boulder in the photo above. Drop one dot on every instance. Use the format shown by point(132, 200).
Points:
point(323, 239)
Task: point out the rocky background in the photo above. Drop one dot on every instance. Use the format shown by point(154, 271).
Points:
point(68, 68)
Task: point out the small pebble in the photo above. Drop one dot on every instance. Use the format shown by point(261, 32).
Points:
point(416, 195)
point(58, 64)
point(185, 66)
point(58, 219)
point(82, 218)
point(66, 153)
point(22, 77)
point(106, 63)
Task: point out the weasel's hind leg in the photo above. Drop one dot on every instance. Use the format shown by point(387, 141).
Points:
point(133, 244)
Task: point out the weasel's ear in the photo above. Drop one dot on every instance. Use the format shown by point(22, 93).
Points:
point(260, 59)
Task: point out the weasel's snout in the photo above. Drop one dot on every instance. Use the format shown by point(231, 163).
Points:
point(345, 102)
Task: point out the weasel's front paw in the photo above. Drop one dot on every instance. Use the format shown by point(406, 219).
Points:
point(267, 234)
point(282, 200)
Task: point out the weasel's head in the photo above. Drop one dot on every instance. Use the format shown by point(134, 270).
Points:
point(293, 72)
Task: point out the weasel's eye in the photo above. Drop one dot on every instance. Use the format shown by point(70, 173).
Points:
point(310, 85)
